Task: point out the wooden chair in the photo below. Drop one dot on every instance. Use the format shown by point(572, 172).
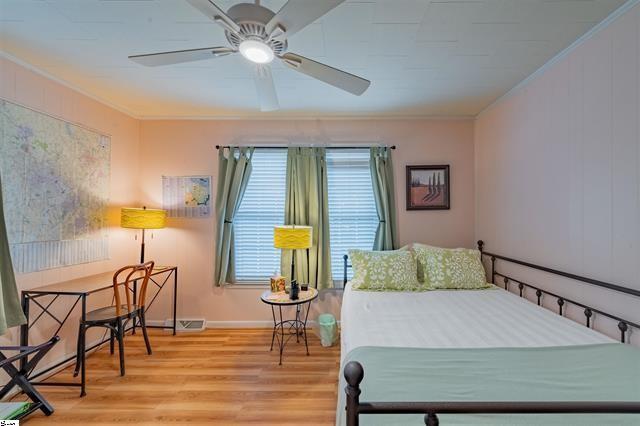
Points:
point(116, 317)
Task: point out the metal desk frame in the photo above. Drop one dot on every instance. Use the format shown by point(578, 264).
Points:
point(33, 295)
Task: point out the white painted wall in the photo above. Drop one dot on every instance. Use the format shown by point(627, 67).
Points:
point(558, 168)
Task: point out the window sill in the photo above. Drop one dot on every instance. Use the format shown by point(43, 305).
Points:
point(260, 285)
point(248, 285)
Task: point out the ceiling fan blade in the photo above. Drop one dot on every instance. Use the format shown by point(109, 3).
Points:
point(266, 89)
point(335, 77)
point(179, 56)
point(217, 15)
point(297, 14)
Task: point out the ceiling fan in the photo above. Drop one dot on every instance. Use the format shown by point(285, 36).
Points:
point(260, 36)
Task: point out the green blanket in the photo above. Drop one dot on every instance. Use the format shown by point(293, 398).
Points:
point(604, 372)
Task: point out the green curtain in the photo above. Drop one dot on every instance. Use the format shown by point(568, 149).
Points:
point(10, 310)
point(306, 203)
point(234, 170)
point(383, 191)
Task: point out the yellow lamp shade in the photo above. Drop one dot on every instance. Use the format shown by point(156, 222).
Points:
point(143, 218)
point(292, 237)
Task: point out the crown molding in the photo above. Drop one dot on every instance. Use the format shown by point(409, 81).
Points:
point(624, 8)
point(251, 116)
point(629, 4)
point(213, 117)
point(66, 84)
point(318, 117)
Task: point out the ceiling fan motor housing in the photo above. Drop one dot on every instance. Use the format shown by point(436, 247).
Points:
point(252, 19)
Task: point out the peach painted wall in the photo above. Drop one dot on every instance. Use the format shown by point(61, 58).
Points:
point(558, 169)
point(23, 86)
point(141, 152)
point(183, 147)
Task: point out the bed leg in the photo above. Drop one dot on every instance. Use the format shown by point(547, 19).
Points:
point(353, 373)
point(431, 419)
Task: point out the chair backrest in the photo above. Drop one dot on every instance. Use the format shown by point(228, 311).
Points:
point(125, 277)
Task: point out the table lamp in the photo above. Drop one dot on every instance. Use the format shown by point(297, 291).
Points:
point(143, 218)
point(292, 237)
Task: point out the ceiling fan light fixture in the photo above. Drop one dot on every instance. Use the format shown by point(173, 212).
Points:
point(256, 51)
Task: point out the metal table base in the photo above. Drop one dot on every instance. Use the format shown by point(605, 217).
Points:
point(289, 328)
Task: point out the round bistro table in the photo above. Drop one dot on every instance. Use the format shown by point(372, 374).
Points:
point(293, 327)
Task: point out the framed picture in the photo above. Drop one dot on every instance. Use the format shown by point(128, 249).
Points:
point(428, 188)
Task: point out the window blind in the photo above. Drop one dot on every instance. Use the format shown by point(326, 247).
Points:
point(353, 219)
point(261, 209)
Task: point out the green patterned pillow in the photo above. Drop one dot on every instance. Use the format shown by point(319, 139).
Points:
point(451, 268)
point(392, 270)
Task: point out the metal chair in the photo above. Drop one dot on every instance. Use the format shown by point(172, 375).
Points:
point(116, 317)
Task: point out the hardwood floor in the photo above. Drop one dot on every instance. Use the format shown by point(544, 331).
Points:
point(217, 377)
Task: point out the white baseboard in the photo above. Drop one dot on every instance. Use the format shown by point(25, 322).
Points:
point(226, 324)
point(240, 324)
point(236, 324)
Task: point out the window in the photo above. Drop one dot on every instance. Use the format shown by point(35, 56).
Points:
point(262, 208)
point(353, 218)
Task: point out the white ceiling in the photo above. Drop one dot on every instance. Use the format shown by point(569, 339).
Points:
point(436, 58)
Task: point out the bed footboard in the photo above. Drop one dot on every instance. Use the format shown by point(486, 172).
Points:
point(354, 374)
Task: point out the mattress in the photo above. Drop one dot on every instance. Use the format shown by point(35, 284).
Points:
point(480, 321)
point(493, 318)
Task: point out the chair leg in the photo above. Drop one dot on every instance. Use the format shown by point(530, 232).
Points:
point(83, 360)
point(78, 351)
point(143, 325)
point(112, 337)
point(120, 330)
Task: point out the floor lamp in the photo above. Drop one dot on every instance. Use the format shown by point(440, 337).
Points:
point(141, 219)
point(292, 237)
point(144, 219)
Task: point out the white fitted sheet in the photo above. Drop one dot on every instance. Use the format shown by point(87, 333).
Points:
point(454, 319)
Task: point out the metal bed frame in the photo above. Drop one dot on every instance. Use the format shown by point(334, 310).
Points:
point(354, 371)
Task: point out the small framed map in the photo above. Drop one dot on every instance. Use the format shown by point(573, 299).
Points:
point(186, 196)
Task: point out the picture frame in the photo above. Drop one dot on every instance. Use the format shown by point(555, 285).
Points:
point(428, 187)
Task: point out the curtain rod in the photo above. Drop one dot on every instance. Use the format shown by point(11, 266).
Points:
point(285, 146)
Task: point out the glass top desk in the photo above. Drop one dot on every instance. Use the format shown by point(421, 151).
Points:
point(80, 289)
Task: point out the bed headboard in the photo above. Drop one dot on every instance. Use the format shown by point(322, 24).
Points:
point(508, 281)
point(346, 265)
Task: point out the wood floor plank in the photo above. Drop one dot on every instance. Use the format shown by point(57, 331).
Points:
point(216, 377)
